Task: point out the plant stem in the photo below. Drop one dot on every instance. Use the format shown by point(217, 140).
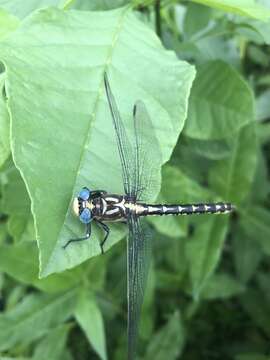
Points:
point(158, 18)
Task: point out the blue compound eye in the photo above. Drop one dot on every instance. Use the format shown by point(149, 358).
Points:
point(84, 194)
point(85, 216)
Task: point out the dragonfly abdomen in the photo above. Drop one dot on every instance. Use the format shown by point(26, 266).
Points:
point(185, 209)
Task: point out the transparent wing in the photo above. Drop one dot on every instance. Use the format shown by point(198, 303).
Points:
point(124, 147)
point(139, 251)
point(146, 156)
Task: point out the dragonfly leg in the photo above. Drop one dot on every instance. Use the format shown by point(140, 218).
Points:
point(107, 230)
point(87, 236)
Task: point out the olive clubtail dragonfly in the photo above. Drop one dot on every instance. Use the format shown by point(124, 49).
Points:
point(138, 169)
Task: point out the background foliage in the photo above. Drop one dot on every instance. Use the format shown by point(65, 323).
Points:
point(208, 290)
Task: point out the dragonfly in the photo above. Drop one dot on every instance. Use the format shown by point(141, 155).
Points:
point(140, 160)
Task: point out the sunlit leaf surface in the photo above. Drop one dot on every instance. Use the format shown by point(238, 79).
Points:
point(62, 134)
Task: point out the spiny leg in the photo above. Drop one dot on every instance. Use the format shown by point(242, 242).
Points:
point(107, 230)
point(87, 236)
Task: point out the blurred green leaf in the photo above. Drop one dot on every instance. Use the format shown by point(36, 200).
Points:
point(34, 317)
point(263, 131)
point(196, 19)
point(22, 8)
point(211, 149)
point(77, 98)
point(204, 249)
point(232, 178)
point(16, 204)
point(242, 7)
point(168, 342)
point(21, 262)
point(222, 286)
point(263, 29)
point(263, 282)
point(15, 296)
point(177, 188)
point(220, 103)
point(90, 319)
point(257, 306)
point(98, 4)
point(255, 222)
point(260, 186)
point(251, 356)
point(52, 346)
point(257, 55)
point(246, 253)
point(262, 106)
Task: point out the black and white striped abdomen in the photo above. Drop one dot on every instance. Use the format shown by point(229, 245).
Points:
point(184, 209)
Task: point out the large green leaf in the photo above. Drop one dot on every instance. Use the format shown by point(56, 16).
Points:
point(90, 319)
point(232, 178)
point(242, 7)
point(62, 133)
point(33, 317)
point(220, 103)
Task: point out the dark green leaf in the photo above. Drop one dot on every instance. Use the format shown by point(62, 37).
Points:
point(255, 223)
point(169, 341)
point(21, 262)
point(257, 306)
point(251, 356)
point(220, 103)
point(53, 345)
point(247, 255)
point(222, 286)
point(16, 204)
point(33, 317)
point(204, 250)
point(232, 178)
point(262, 106)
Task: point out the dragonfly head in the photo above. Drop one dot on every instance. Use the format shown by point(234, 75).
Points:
point(81, 205)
